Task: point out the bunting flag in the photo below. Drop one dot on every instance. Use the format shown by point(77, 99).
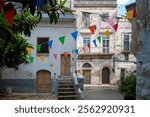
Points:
point(9, 12)
point(107, 33)
point(75, 35)
point(110, 21)
point(89, 45)
point(131, 14)
point(42, 58)
point(62, 39)
point(76, 51)
point(39, 3)
point(1, 4)
point(94, 41)
point(134, 13)
point(31, 59)
point(99, 39)
point(38, 47)
point(66, 54)
point(50, 43)
point(29, 51)
point(55, 56)
point(115, 27)
point(92, 29)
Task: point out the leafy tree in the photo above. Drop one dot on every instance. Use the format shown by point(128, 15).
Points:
point(12, 44)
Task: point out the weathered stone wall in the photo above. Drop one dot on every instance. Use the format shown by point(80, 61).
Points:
point(143, 54)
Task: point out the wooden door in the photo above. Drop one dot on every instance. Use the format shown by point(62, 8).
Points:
point(87, 76)
point(105, 76)
point(43, 81)
point(65, 65)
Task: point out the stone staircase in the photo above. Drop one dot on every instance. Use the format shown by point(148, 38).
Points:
point(66, 90)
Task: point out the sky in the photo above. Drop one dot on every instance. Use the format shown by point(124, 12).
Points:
point(121, 6)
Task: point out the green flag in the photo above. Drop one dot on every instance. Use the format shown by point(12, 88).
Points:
point(38, 47)
point(99, 39)
point(62, 39)
point(31, 59)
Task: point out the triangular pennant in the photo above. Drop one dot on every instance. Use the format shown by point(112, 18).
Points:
point(115, 27)
point(129, 14)
point(9, 13)
point(1, 4)
point(62, 39)
point(31, 59)
point(107, 33)
point(99, 39)
point(89, 45)
point(110, 21)
point(42, 58)
point(134, 13)
point(75, 35)
point(94, 41)
point(66, 54)
point(50, 43)
point(29, 51)
point(76, 51)
point(92, 29)
point(38, 47)
point(39, 3)
point(55, 56)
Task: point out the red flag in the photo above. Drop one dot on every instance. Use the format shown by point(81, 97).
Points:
point(66, 54)
point(1, 4)
point(88, 45)
point(9, 14)
point(134, 13)
point(92, 29)
point(115, 27)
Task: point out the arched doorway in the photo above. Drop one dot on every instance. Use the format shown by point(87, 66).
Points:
point(87, 73)
point(105, 76)
point(43, 81)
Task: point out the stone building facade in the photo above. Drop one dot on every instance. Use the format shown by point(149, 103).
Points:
point(142, 29)
point(104, 62)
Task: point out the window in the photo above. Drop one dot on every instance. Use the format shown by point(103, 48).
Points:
point(86, 20)
point(86, 41)
point(126, 43)
point(44, 46)
point(126, 56)
point(105, 45)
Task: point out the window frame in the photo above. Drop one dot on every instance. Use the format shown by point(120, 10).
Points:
point(85, 44)
point(106, 48)
point(129, 40)
point(40, 53)
point(86, 21)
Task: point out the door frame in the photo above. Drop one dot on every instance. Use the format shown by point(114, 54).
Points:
point(69, 66)
point(37, 80)
point(108, 75)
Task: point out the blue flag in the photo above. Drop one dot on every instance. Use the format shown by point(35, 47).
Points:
point(76, 51)
point(75, 35)
point(94, 41)
point(50, 43)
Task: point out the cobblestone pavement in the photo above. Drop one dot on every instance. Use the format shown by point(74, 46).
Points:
point(106, 92)
point(28, 97)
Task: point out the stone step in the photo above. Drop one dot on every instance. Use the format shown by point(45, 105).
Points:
point(66, 89)
point(66, 93)
point(67, 97)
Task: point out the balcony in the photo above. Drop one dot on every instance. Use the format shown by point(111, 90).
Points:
point(95, 3)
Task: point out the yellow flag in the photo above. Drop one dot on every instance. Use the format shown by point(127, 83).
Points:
point(107, 33)
point(42, 58)
point(29, 51)
point(129, 14)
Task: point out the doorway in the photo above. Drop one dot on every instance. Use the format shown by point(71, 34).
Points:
point(65, 65)
point(87, 76)
point(43, 81)
point(105, 76)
